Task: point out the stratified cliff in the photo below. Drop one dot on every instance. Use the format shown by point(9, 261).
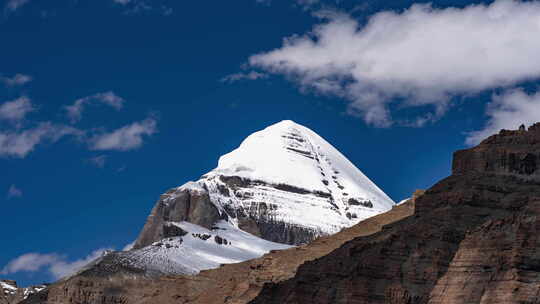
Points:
point(473, 239)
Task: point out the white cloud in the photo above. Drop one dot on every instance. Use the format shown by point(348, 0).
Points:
point(13, 5)
point(419, 57)
point(13, 192)
point(16, 110)
point(98, 161)
point(75, 110)
point(29, 262)
point(122, 2)
point(16, 80)
point(63, 268)
point(126, 138)
point(57, 265)
point(508, 111)
point(20, 143)
point(252, 75)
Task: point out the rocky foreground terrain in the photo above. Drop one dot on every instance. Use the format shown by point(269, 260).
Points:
point(233, 283)
point(473, 239)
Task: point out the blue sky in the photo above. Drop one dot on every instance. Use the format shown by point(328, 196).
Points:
point(106, 104)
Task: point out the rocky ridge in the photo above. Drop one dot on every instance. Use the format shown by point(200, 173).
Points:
point(232, 283)
point(473, 239)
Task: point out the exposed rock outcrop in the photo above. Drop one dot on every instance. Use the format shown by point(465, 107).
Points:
point(473, 239)
point(190, 204)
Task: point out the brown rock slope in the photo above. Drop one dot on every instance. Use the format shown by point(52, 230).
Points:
point(473, 239)
point(233, 283)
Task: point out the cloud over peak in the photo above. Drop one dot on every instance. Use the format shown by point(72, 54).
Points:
point(422, 56)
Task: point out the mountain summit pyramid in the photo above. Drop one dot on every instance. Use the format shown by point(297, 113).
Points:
point(285, 184)
point(282, 186)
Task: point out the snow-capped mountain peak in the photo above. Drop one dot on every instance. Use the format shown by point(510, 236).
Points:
point(289, 153)
point(284, 185)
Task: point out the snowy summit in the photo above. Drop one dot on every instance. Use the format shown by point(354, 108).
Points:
point(283, 186)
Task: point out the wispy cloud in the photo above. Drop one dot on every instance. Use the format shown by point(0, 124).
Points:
point(58, 266)
point(126, 138)
point(14, 192)
point(16, 80)
point(16, 110)
point(139, 6)
point(74, 111)
point(18, 143)
point(252, 75)
point(508, 111)
point(13, 5)
point(420, 57)
point(98, 161)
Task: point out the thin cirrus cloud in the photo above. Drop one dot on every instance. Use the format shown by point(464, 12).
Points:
point(16, 110)
point(58, 266)
point(75, 111)
point(126, 138)
point(420, 57)
point(252, 75)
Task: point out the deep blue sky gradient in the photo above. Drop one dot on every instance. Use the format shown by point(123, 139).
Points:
point(171, 66)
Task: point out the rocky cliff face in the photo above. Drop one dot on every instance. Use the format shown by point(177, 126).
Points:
point(473, 239)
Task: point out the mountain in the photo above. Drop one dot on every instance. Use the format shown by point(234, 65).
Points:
point(282, 186)
point(10, 293)
point(473, 239)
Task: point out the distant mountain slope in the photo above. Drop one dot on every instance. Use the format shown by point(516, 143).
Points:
point(232, 284)
point(10, 293)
